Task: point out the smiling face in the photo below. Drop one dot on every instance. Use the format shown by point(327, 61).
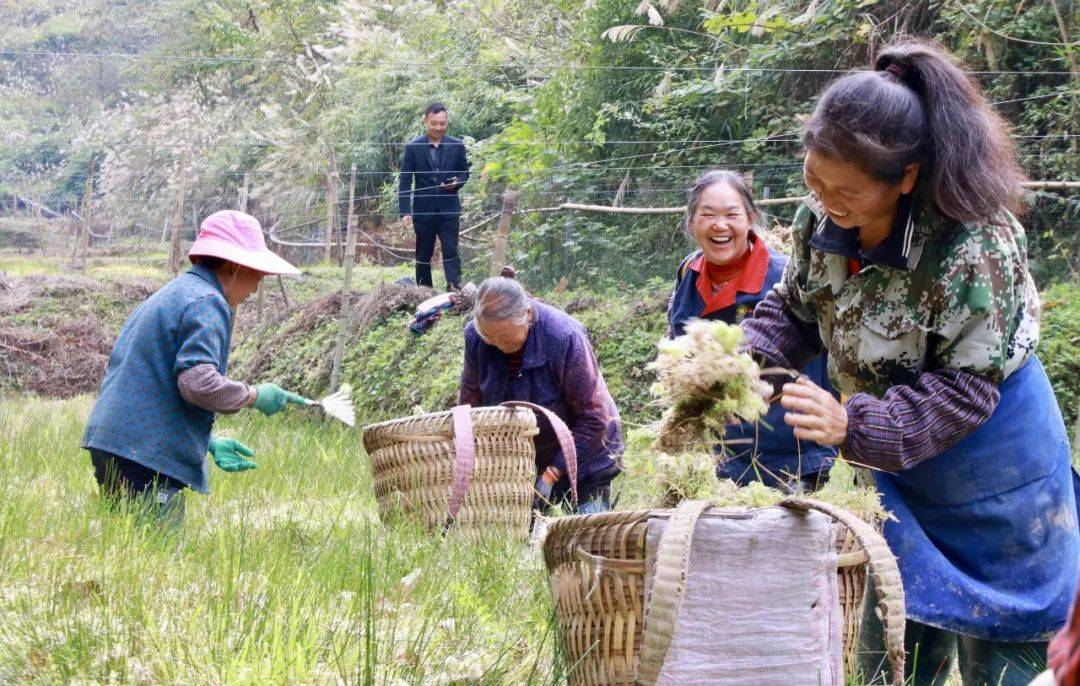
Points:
point(720, 224)
point(853, 198)
point(435, 123)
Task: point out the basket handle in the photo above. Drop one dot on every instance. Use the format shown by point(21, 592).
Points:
point(463, 460)
point(566, 442)
point(884, 575)
point(673, 562)
point(669, 583)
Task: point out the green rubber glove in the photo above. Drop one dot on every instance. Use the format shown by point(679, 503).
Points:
point(229, 454)
point(271, 398)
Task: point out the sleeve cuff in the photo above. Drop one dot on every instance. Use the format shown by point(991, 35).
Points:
point(872, 440)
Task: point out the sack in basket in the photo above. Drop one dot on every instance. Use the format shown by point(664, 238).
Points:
point(612, 635)
point(760, 604)
point(472, 468)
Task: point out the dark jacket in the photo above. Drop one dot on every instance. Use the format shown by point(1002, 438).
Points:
point(419, 186)
point(779, 454)
point(559, 372)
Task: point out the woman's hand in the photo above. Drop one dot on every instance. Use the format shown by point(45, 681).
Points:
point(814, 412)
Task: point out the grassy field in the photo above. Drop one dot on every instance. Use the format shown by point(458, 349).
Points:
point(283, 575)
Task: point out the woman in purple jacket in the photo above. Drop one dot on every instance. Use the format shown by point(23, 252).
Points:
point(519, 349)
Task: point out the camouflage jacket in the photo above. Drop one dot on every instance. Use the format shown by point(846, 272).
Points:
point(961, 298)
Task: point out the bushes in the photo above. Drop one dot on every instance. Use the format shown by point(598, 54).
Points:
point(392, 370)
point(1059, 349)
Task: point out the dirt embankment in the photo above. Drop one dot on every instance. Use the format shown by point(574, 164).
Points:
point(56, 331)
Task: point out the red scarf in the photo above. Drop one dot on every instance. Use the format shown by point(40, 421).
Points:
point(718, 284)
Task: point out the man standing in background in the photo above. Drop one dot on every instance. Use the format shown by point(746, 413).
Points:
point(430, 206)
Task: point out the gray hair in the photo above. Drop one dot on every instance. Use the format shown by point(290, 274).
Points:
point(501, 299)
point(711, 178)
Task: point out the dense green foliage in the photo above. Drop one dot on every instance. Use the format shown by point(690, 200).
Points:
point(565, 101)
point(393, 372)
point(1059, 349)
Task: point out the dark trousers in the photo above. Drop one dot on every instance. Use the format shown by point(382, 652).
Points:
point(122, 480)
point(445, 227)
point(931, 651)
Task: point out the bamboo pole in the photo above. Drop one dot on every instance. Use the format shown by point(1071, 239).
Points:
point(178, 222)
point(581, 207)
point(331, 205)
point(1051, 185)
point(502, 235)
point(244, 192)
point(82, 239)
point(40, 228)
point(345, 319)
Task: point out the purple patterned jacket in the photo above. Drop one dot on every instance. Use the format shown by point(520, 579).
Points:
point(559, 371)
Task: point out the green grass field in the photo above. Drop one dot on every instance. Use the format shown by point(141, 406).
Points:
point(285, 574)
point(282, 575)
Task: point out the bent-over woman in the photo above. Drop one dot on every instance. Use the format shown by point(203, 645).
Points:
point(519, 349)
point(150, 429)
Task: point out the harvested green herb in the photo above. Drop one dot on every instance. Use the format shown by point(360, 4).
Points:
point(707, 383)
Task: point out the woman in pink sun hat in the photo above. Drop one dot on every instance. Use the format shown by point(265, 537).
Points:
point(150, 429)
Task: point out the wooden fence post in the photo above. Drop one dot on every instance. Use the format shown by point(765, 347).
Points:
point(40, 227)
point(82, 239)
point(346, 287)
point(502, 235)
point(244, 192)
point(178, 223)
point(331, 205)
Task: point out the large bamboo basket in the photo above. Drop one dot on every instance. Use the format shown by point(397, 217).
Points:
point(470, 467)
point(597, 568)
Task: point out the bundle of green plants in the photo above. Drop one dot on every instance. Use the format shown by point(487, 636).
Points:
point(666, 479)
point(706, 382)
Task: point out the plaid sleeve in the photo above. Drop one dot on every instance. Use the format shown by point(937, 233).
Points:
point(782, 331)
point(777, 337)
point(205, 387)
point(914, 423)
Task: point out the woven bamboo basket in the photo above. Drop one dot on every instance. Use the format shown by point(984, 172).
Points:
point(597, 568)
point(472, 468)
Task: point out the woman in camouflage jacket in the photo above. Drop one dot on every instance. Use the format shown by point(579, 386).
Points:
point(910, 270)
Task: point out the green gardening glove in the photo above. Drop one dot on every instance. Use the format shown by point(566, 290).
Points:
point(229, 454)
point(271, 398)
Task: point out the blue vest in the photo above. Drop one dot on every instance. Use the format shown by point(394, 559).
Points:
point(779, 455)
point(139, 413)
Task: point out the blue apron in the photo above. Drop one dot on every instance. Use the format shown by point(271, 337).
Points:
point(986, 533)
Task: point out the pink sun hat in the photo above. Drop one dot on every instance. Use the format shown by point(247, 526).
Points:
point(238, 237)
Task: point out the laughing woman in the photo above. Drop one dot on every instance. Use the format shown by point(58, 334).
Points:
point(724, 279)
point(910, 269)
